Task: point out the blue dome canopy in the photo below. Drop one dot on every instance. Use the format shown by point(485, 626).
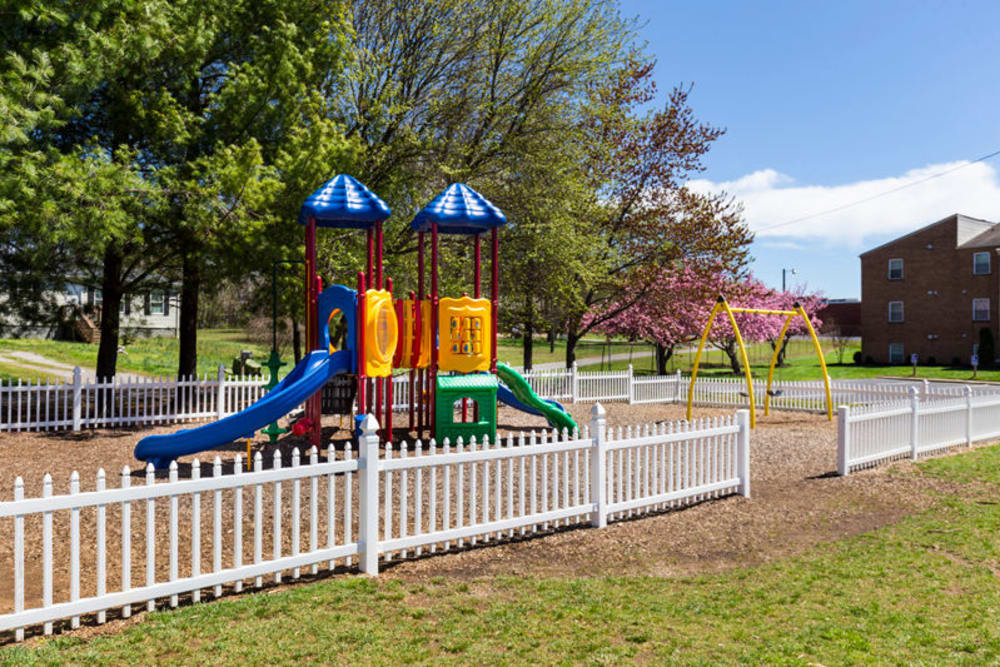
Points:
point(344, 202)
point(459, 210)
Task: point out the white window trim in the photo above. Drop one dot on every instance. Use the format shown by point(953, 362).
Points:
point(152, 302)
point(989, 266)
point(889, 273)
point(901, 316)
point(981, 319)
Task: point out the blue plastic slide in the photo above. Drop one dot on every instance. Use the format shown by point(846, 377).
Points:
point(306, 379)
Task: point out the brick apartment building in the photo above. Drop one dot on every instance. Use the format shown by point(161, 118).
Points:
point(930, 292)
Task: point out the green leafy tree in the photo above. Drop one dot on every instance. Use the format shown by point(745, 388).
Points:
point(642, 217)
point(176, 122)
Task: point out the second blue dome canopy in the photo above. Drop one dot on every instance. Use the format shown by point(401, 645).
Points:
point(459, 209)
point(344, 202)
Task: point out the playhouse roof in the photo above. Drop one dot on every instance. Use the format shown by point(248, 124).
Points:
point(344, 202)
point(459, 210)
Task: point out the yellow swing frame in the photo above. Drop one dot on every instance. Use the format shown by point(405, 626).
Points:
point(721, 305)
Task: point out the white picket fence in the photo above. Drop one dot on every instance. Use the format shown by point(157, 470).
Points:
point(325, 513)
point(132, 401)
point(122, 401)
point(871, 435)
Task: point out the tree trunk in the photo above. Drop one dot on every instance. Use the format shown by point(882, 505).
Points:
point(572, 338)
point(782, 351)
point(111, 290)
point(296, 341)
point(187, 364)
point(663, 355)
point(552, 339)
point(733, 352)
point(528, 340)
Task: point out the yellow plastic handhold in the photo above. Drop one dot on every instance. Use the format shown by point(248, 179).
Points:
point(463, 320)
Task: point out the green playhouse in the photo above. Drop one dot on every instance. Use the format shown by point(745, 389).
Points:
point(480, 388)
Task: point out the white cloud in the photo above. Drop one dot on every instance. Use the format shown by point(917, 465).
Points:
point(771, 198)
point(783, 245)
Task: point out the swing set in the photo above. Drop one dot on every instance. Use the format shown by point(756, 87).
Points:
point(721, 305)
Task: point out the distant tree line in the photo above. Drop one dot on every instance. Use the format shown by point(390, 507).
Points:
point(154, 142)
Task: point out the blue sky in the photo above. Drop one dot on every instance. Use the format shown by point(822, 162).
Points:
point(828, 103)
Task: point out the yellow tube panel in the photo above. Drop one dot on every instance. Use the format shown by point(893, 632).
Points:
point(381, 333)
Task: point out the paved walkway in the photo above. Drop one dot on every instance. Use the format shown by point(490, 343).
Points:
point(589, 361)
point(42, 365)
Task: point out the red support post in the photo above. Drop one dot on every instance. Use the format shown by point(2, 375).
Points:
point(494, 299)
point(434, 326)
point(421, 373)
point(478, 268)
point(362, 382)
point(388, 386)
point(313, 406)
point(369, 273)
point(414, 353)
point(378, 256)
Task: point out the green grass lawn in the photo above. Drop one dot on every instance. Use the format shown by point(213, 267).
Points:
point(151, 356)
point(511, 350)
point(920, 591)
point(158, 356)
point(801, 364)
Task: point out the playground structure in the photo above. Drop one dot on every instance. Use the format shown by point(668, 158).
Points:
point(357, 337)
point(721, 305)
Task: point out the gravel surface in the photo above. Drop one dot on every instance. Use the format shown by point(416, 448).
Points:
point(797, 501)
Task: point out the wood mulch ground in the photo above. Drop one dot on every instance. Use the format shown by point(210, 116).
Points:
point(797, 502)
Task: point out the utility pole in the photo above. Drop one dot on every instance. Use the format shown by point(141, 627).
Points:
point(783, 272)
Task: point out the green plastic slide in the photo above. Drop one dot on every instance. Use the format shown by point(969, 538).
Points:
point(527, 400)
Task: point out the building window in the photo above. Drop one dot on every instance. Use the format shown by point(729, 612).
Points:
point(895, 353)
point(980, 310)
point(895, 311)
point(156, 303)
point(896, 269)
point(980, 263)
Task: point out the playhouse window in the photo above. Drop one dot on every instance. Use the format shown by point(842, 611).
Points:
point(457, 408)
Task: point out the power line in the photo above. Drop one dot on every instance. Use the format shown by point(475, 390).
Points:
point(877, 196)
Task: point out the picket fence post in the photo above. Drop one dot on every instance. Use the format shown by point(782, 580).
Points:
point(631, 385)
point(599, 466)
point(925, 390)
point(677, 386)
point(368, 508)
point(574, 382)
point(914, 422)
point(77, 398)
point(967, 390)
point(743, 451)
point(843, 440)
point(220, 404)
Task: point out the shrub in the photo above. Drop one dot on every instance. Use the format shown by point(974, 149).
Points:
point(858, 358)
point(869, 360)
point(932, 361)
